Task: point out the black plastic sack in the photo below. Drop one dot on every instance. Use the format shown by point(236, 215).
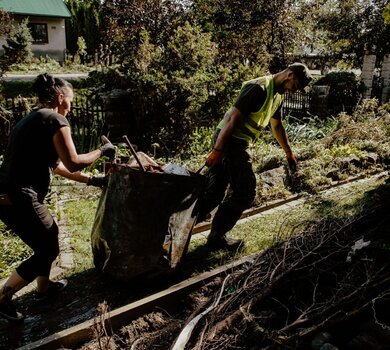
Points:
point(143, 222)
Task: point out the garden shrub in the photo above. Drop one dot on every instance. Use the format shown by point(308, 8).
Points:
point(345, 90)
point(23, 88)
point(5, 28)
point(18, 43)
point(7, 121)
point(180, 87)
point(308, 128)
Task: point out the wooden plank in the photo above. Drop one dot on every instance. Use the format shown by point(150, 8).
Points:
point(81, 333)
point(253, 211)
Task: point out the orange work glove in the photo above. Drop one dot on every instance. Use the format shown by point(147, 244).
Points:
point(292, 161)
point(214, 158)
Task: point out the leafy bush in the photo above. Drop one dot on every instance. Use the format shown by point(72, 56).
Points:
point(15, 88)
point(344, 151)
point(18, 45)
point(200, 141)
point(308, 128)
point(176, 88)
point(344, 92)
point(37, 65)
point(100, 82)
point(5, 28)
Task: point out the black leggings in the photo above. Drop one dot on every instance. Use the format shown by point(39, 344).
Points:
point(30, 219)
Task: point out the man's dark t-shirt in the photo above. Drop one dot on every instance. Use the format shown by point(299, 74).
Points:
point(31, 156)
point(251, 99)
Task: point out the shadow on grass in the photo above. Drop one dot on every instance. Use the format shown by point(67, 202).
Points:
point(201, 259)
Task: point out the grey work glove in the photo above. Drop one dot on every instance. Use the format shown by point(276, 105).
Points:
point(97, 181)
point(108, 150)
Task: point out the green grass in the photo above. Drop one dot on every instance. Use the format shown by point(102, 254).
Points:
point(343, 202)
point(80, 215)
point(12, 251)
point(48, 66)
point(258, 232)
point(263, 230)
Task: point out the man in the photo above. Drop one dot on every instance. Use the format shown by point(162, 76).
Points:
point(258, 104)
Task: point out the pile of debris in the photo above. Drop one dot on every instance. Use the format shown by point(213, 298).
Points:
point(326, 288)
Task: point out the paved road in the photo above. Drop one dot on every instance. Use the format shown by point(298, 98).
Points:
point(26, 77)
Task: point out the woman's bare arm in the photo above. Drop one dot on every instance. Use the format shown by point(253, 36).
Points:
point(67, 153)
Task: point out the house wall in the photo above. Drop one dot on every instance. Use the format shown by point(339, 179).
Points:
point(56, 46)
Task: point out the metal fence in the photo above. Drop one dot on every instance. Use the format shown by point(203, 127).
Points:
point(88, 121)
point(297, 103)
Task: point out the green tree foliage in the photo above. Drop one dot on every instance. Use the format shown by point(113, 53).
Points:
point(184, 61)
point(353, 26)
point(127, 19)
point(172, 68)
point(5, 28)
point(19, 40)
point(5, 23)
point(86, 22)
point(386, 14)
point(344, 91)
point(252, 31)
point(178, 88)
point(81, 50)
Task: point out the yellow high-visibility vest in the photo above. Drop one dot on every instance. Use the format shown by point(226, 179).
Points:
point(253, 124)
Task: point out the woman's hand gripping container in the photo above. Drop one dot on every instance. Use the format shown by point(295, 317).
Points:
point(143, 222)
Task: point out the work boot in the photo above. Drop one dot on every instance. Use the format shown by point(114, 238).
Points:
point(8, 310)
point(54, 288)
point(230, 244)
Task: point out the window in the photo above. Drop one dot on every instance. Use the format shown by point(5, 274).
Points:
point(39, 33)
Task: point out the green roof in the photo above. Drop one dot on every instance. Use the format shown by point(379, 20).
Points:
point(44, 8)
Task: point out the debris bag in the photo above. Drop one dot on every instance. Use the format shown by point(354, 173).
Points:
point(143, 222)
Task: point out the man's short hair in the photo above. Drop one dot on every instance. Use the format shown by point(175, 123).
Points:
point(301, 72)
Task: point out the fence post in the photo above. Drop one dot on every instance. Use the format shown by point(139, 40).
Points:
point(386, 79)
point(368, 73)
point(319, 100)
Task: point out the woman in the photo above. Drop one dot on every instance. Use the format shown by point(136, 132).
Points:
point(39, 145)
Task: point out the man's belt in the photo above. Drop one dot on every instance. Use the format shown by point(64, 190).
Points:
point(4, 199)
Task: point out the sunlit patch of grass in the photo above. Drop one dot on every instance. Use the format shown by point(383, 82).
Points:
point(12, 251)
point(80, 216)
point(262, 231)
